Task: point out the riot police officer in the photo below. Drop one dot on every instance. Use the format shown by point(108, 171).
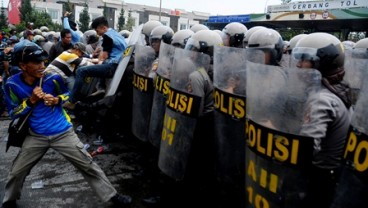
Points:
point(198, 27)
point(328, 114)
point(186, 149)
point(270, 42)
point(148, 27)
point(181, 37)
point(249, 33)
point(236, 33)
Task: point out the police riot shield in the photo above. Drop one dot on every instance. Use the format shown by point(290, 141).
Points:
point(161, 84)
point(135, 36)
point(352, 187)
point(229, 80)
point(356, 62)
point(277, 156)
point(182, 110)
point(142, 91)
point(285, 60)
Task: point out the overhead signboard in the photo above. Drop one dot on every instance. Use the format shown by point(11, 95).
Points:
point(317, 5)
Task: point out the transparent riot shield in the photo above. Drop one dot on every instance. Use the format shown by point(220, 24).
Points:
point(285, 60)
point(229, 92)
point(352, 187)
point(142, 91)
point(135, 36)
point(182, 110)
point(277, 156)
point(356, 62)
point(162, 84)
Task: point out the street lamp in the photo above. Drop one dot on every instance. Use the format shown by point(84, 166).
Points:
point(159, 17)
point(265, 7)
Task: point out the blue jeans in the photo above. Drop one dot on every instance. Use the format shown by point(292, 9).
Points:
point(100, 71)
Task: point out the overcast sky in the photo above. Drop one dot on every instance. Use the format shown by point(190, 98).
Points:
point(214, 7)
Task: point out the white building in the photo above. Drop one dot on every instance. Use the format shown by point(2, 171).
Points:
point(177, 19)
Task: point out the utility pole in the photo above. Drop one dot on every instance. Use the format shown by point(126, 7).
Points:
point(159, 18)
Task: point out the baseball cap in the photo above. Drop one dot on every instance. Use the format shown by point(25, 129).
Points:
point(29, 32)
point(12, 39)
point(28, 52)
point(80, 46)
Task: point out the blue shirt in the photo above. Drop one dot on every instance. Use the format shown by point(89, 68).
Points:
point(75, 35)
point(44, 120)
point(118, 48)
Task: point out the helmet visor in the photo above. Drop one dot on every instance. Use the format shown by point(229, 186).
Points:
point(192, 45)
point(305, 54)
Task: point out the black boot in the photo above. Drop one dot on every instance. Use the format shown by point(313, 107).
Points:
point(10, 204)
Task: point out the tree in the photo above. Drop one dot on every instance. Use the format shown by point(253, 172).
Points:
point(39, 18)
point(130, 23)
point(121, 20)
point(25, 11)
point(68, 7)
point(84, 18)
point(105, 12)
point(3, 20)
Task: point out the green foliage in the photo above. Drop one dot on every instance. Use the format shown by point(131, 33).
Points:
point(130, 23)
point(121, 20)
point(68, 7)
point(288, 34)
point(105, 12)
point(84, 19)
point(25, 11)
point(39, 18)
point(3, 20)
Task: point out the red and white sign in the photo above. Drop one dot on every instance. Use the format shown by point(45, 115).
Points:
point(313, 15)
point(325, 15)
point(13, 11)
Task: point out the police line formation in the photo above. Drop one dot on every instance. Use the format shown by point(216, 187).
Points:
point(284, 122)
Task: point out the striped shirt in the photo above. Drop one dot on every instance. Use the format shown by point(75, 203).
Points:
point(66, 63)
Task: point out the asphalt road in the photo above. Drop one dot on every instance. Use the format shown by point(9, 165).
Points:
point(126, 164)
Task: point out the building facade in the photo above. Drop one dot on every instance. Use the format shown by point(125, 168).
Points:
point(177, 19)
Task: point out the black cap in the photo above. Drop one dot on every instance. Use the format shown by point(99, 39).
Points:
point(33, 54)
point(28, 52)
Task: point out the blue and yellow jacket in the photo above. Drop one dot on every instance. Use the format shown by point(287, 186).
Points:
point(44, 120)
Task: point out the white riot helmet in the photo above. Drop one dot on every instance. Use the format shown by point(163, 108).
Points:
point(249, 33)
point(181, 37)
point(324, 50)
point(163, 33)
point(37, 32)
point(87, 36)
point(50, 36)
point(294, 40)
point(363, 43)
point(198, 27)
point(44, 29)
point(223, 36)
point(268, 40)
point(149, 26)
point(204, 41)
point(360, 49)
point(348, 44)
point(125, 33)
point(236, 31)
point(38, 39)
